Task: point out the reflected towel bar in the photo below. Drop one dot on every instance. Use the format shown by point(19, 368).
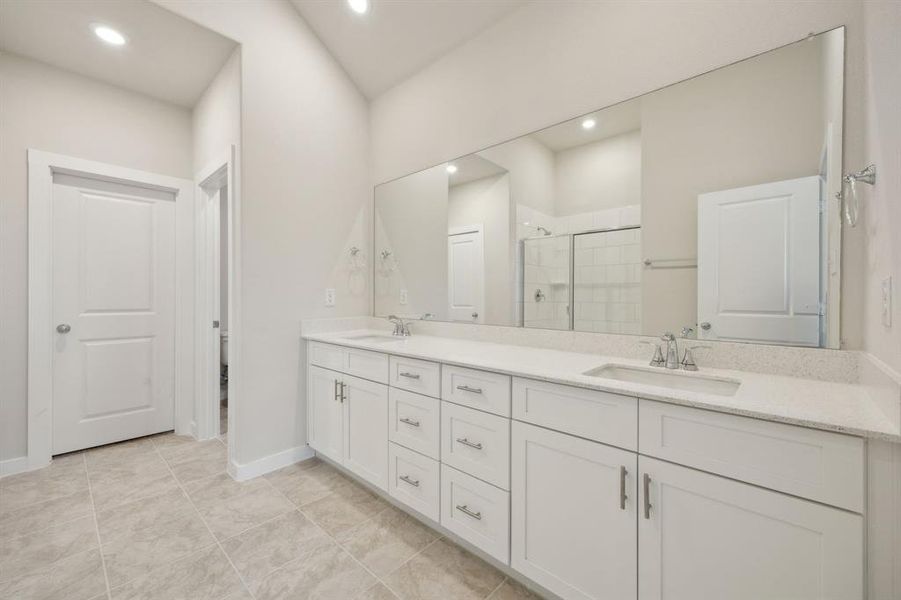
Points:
point(671, 263)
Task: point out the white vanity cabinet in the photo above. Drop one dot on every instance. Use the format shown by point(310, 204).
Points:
point(325, 413)
point(704, 537)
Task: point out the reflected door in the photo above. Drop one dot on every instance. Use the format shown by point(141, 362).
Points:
point(759, 263)
point(114, 309)
point(465, 276)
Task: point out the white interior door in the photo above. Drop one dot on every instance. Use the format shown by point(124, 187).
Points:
point(466, 275)
point(114, 309)
point(759, 263)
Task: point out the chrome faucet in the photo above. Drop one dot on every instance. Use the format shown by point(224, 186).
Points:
point(672, 351)
point(401, 327)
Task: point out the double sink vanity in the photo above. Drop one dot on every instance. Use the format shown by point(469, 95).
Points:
point(595, 477)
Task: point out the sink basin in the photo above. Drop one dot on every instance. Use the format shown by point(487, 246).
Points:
point(667, 379)
point(374, 338)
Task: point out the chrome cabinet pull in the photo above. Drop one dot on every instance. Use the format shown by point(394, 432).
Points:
point(336, 391)
point(622, 487)
point(646, 481)
point(343, 392)
point(408, 480)
point(465, 510)
point(409, 422)
point(409, 375)
point(465, 442)
point(466, 388)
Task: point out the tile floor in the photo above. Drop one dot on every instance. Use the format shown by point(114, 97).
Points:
point(158, 518)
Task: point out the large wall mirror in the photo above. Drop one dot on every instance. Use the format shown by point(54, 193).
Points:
point(707, 207)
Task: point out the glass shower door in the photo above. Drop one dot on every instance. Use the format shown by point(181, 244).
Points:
point(546, 287)
point(607, 281)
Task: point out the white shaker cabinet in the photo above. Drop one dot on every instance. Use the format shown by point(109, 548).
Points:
point(366, 430)
point(705, 537)
point(573, 511)
point(325, 413)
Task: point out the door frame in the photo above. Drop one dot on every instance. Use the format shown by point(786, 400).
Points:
point(220, 172)
point(41, 168)
point(462, 230)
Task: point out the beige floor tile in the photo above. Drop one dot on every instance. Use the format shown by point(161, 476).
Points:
point(512, 590)
point(204, 575)
point(63, 477)
point(77, 577)
point(119, 454)
point(344, 508)
point(194, 462)
point(259, 551)
point(387, 541)
point(41, 515)
point(442, 571)
point(125, 519)
point(229, 507)
point(165, 442)
point(118, 482)
point(30, 553)
point(377, 592)
point(307, 481)
point(327, 574)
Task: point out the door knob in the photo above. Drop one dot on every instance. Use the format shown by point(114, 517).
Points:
point(63, 328)
point(705, 325)
point(475, 315)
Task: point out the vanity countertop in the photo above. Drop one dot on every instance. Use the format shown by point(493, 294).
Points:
point(841, 407)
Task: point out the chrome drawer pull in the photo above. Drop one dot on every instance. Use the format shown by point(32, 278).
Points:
point(465, 510)
point(410, 422)
point(646, 480)
point(465, 442)
point(407, 479)
point(336, 390)
point(409, 375)
point(466, 388)
point(622, 487)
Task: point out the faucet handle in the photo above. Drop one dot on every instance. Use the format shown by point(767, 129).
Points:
point(688, 359)
point(657, 360)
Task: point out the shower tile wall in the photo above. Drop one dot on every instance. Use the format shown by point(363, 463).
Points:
point(607, 280)
point(546, 288)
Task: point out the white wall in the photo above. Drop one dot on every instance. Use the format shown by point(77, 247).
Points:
point(486, 202)
point(55, 111)
point(562, 59)
point(306, 192)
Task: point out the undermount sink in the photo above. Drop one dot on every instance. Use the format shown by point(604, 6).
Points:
point(373, 338)
point(667, 379)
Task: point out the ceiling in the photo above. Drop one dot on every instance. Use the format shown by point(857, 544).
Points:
point(472, 167)
point(612, 121)
point(397, 38)
point(166, 57)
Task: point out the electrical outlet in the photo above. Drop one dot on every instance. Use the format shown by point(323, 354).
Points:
point(887, 301)
point(330, 296)
point(403, 296)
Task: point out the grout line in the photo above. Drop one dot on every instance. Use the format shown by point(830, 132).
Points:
point(499, 586)
point(202, 520)
point(87, 476)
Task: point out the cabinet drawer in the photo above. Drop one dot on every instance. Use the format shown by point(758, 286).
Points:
point(419, 376)
point(366, 364)
point(477, 512)
point(477, 443)
point(823, 466)
point(414, 421)
point(601, 416)
point(326, 356)
point(477, 389)
point(413, 479)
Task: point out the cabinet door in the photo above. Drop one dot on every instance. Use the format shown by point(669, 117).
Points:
point(325, 415)
point(704, 537)
point(366, 429)
point(573, 514)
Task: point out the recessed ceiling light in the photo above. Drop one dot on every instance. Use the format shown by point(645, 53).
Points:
point(451, 169)
point(109, 35)
point(589, 123)
point(359, 6)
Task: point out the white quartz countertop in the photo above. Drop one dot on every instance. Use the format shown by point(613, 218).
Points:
point(841, 407)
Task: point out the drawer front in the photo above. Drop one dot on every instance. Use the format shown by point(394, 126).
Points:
point(477, 443)
point(413, 479)
point(477, 389)
point(366, 364)
point(601, 416)
point(326, 356)
point(414, 421)
point(477, 512)
point(420, 376)
point(819, 465)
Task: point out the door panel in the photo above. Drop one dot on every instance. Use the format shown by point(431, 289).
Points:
point(325, 414)
point(465, 273)
point(114, 286)
point(366, 429)
point(573, 514)
point(708, 538)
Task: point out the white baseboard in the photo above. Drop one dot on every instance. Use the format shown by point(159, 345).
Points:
point(13, 466)
point(270, 463)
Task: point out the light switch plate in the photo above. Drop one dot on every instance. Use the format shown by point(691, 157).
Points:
point(403, 296)
point(330, 296)
point(887, 301)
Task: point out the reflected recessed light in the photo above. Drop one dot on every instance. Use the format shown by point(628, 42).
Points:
point(109, 35)
point(359, 6)
point(451, 169)
point(589, 124)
